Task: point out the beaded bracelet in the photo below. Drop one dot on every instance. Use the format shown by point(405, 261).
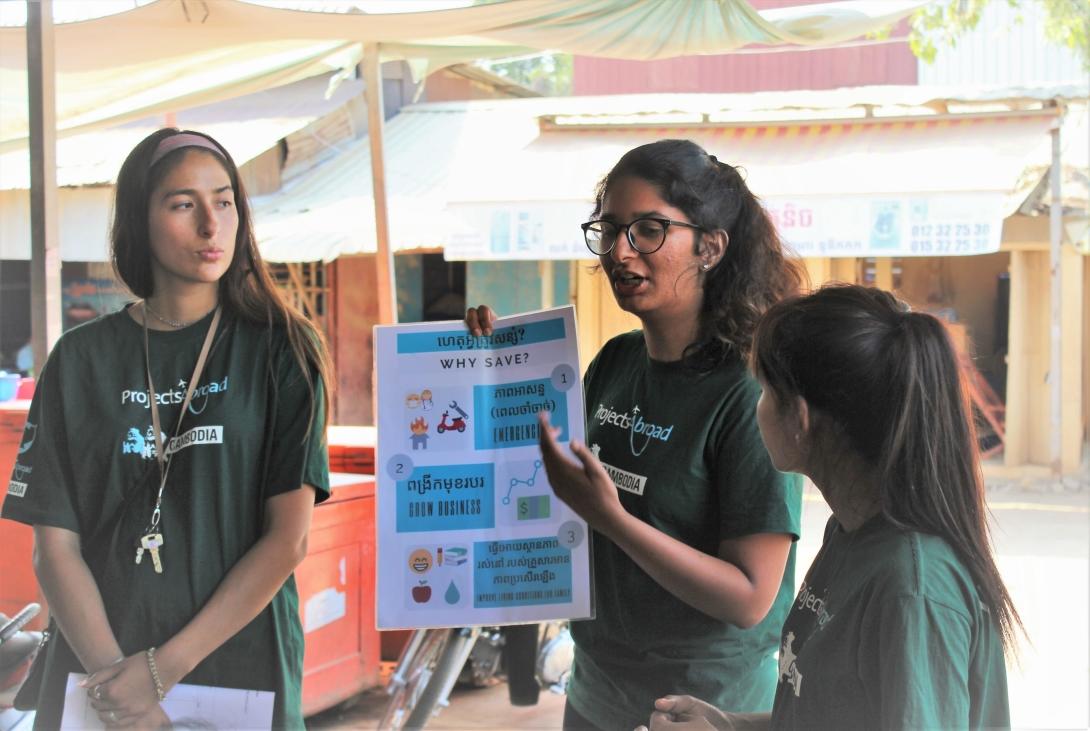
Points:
point(150, 654)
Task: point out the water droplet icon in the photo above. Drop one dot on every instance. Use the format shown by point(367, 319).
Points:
point(453, 595)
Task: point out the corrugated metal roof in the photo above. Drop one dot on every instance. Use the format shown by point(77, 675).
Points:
point(246, 126)
point(850, 158)
point(460, 153)
point(792, 105)
point(329, 211)
point(1075, 184)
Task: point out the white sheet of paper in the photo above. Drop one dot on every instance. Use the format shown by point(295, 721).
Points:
point(187, 706)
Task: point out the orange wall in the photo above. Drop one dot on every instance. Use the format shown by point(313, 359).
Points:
point(355, 314)
point(966, 284)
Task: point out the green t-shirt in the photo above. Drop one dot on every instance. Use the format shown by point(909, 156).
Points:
point(889, 632)
point(87, 464)
point(686, 455)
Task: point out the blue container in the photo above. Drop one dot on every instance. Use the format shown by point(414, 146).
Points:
point(9, 384)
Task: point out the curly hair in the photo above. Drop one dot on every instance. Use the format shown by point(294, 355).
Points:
point(755, 271)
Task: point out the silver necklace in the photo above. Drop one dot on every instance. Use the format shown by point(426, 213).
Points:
point(631, 437)
point(176, 324)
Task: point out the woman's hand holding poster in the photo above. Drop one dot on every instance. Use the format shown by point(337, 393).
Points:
point(469, 530)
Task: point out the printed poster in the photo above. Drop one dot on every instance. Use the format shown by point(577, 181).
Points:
point(469, 530)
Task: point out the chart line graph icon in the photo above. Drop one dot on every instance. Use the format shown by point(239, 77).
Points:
point(515, 482)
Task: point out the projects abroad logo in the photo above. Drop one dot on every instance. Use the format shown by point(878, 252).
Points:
point(634, 423)
point(807, 600)
point(175, 395)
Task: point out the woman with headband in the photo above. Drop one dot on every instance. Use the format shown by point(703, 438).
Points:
point(173, 454)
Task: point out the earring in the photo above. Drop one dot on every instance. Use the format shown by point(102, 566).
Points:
point(705, 266)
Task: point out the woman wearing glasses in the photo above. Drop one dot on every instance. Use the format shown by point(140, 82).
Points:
point(694, 555)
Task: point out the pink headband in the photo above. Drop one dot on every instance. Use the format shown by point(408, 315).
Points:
point(169, 144)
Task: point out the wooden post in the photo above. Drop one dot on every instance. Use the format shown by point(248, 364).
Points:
point(545, 272)
point(588, 311)
point(1084, 308)
point(819, 270)
point(1016, 444)
point(1055, 363)
point(883, 273)
point(598, 317)
point(45, 255)
point(372, 72)
point(844, 270)
point(1072, 327)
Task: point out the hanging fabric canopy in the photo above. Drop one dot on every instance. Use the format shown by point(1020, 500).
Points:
point(174, 54)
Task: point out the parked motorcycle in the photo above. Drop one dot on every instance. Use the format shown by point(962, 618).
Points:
point(530, 655)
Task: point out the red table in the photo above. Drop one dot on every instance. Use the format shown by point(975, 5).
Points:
point(337, 595)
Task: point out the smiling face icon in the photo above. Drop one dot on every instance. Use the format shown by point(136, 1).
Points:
point(420, 561)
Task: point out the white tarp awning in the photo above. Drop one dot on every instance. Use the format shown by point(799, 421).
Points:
point(509, 180)
point(174, 54)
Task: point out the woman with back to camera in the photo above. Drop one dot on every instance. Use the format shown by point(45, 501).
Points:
point(903, 617)
point(693, 559)
point(173, 455)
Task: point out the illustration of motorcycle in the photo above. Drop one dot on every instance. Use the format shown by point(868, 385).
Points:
point(458, 423)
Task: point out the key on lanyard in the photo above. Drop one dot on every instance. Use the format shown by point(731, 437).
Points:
point(152, 542)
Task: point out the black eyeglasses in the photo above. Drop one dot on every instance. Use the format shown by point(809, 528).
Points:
point(646, 235)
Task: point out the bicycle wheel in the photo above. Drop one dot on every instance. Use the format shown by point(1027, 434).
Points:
point(443, 677)
point(412, 677)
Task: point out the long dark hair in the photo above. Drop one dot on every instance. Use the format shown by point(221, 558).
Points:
point(246, 289)
point(890, 381)
point(755, 270)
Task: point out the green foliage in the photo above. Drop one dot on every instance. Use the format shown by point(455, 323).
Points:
point(549, 74)
point(1067, 22)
